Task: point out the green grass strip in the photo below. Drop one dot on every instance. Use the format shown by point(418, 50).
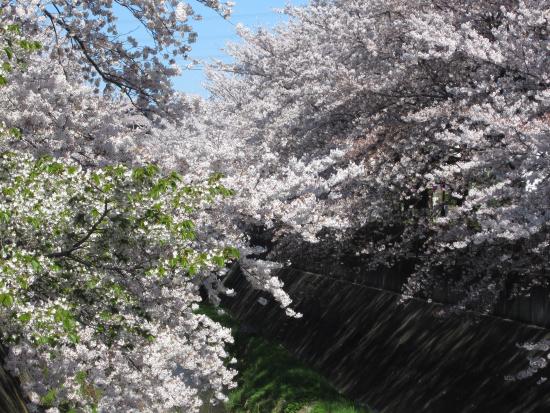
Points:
point(271, 380)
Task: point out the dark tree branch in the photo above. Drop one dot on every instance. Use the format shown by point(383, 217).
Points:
point(79, 244)
point(123, 84)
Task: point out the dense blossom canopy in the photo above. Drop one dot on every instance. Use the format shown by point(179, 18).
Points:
point(87, 33)
point(101, 264)
point(426, 116)
point(425, 122)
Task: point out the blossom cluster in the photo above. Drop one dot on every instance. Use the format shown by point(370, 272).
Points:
point(87, 33)
point(99, 286)
point(429, 118)
point(424, 126)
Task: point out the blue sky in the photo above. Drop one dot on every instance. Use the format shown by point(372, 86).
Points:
point(214, 32)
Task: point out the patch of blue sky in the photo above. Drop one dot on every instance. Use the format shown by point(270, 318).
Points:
point(213, 34)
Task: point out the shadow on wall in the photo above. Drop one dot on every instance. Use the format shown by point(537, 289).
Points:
point(393, 357)
point(11, 398)
point(345, 264)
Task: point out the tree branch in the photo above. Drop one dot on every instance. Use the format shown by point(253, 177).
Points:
point(79, 244)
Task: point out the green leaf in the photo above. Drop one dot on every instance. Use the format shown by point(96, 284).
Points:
point(173, 262)
point(215, 177)
point(231, 253)
point(151, 170)
point(202, 257)
point(49, 398)
point(74, 338)
point(25, 45)
point(6, 299)
point(138, 174)
point(25, 318)
point(69, 324)
point(34, 221)
point(174, 176)
point(59, 315)
point(92, 282)
point(187, 224)
point(5, 216)
point(35, 265)
point(107, 187)
point(14, 28)
point(55, 168)
point(105, 315)
point(81, 377)
point(219, 261)
point(188, 235)
point(16, 133)
point(23, 282)
point(9, 52)
point(56, 267)
point(96, 178)
point(159, 188)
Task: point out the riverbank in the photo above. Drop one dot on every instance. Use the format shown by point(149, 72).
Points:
point(271, 380)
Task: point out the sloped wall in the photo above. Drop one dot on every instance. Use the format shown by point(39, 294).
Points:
point(397, 358)
point(344, 264)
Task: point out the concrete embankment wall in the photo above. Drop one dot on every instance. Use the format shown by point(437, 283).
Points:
point(533, 308)
point(393, 357)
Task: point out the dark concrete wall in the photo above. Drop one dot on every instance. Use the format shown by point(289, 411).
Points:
point(343, 263)
point(397, 358)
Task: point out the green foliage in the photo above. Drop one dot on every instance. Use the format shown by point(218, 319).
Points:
point(271, 380)
point(333, 407)
point(77, 248)
point(6, 299)
point(30, 46)
point(49, 398)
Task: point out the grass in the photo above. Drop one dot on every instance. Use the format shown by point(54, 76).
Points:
point(271, 380)
point(334, 407)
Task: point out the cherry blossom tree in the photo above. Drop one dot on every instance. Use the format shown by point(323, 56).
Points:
point(442, 110)
point(100, 267)
point(57, 102)
point(87, 33)
point(424, 124)
point(439, 116)
point(100, 276)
